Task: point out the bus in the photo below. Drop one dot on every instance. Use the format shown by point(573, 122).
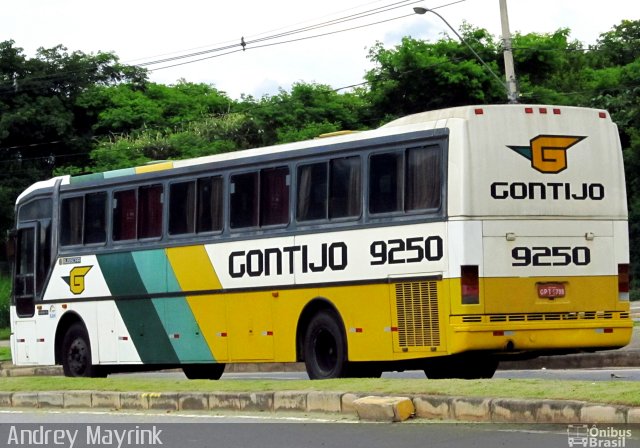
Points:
point(443, 241)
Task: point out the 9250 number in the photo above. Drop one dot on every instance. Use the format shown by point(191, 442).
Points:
point(551, 256)
point(410, 250)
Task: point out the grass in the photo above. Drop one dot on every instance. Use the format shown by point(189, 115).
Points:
point(613, 392)
point(5, 354)
point(5, 333)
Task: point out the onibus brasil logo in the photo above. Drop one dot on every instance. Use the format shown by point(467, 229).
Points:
point(548, 153)
point(592, 436)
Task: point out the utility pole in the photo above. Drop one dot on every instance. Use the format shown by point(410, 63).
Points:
point(509, 70)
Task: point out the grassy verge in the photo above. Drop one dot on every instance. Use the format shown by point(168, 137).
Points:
point(614, 392)
point(5, 354)
point(5, 292)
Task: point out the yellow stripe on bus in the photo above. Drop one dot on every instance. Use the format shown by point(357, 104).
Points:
point(194, 272)
point(154, 167)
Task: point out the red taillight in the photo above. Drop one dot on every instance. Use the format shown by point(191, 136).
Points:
point(470, 284)
point(623, 278)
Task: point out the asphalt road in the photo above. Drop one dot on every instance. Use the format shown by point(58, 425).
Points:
point(272, 431)
point(621, 374)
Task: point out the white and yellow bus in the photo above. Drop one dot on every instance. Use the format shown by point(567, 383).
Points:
point(442, 241)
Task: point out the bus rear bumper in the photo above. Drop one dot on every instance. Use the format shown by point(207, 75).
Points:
point(612, 334)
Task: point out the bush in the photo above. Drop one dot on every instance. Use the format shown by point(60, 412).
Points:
point(5, 291)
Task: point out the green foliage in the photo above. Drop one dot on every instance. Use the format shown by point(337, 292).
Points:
point(620, 46)
point(305, 112)
point(5, 292)
point(127, 108)
point(211, 135)
point(416, 76)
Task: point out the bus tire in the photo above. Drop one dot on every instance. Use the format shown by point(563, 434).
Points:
point(203, 371)
point(325, 349)
point(76, 353)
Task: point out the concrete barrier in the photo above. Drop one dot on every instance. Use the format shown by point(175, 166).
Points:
point(380, 408)
point(384, 409)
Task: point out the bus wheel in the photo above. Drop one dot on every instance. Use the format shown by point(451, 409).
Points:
point(76, 353)
point(324, 348)
point(203, 371)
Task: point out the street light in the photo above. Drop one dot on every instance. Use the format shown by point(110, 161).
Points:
point(420, 10)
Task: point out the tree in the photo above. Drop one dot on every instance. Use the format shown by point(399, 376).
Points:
point(305, 112)
point(41, 122)
point(416, 76)
point(616, 65)
point(126, 108)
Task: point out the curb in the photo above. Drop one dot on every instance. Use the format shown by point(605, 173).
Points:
point(379, 408)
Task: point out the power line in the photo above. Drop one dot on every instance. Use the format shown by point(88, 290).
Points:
point(61, 75)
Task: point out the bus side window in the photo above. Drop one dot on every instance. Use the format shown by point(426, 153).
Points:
point(244, 200)
point(71, 221)
point(405, 181)
point(95, 218)
point(83, 219)
point(182, 208)
point(344, 188)
point(274, 196)
point(150, 211)
point(124, 215)
point(312, 192)
point(209, 204)
point(386, 181)
point(423, 184)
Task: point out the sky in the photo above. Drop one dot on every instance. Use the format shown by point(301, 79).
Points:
point(140, 31)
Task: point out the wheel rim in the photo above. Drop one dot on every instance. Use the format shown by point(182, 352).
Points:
point(326, 351)
point(78, 357)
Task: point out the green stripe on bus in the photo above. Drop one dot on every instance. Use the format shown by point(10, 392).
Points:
point(86, 178)
point(121, 274)
point(151, 266)
point(119, 173)
point(146, 331)
point(139, 315)
point(175, 314)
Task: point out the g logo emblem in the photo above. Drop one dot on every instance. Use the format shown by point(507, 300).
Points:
point(548, 153)
point(76, 279)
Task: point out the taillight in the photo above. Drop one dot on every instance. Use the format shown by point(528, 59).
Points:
point(623, 281)
point(470, 283)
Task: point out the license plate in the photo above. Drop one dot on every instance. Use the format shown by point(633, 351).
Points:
point(551, 290)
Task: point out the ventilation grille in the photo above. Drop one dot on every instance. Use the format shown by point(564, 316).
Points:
point(418, 318)
point(582, 315)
